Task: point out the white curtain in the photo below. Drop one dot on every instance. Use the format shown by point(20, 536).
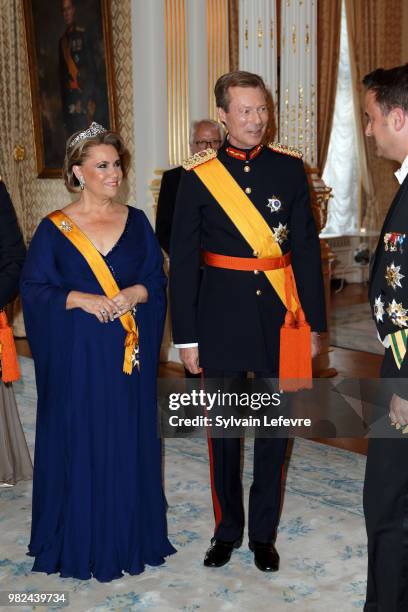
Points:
point(341, 171)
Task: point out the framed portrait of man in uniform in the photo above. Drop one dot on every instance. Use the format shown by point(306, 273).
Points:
point(71, 73)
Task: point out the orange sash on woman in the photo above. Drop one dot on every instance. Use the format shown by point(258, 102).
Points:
point(103, 276)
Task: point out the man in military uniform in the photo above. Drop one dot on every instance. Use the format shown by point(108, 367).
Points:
point(203, 134)
point(231, 323)
point(77, 73)
point(386, 481)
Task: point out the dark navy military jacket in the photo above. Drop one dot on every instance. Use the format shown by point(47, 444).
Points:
point(388, 284)
point(236, 316)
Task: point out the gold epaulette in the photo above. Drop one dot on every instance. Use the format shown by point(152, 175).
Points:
point(280, 148)
point(199, 158)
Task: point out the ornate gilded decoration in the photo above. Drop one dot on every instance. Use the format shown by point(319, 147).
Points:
point(19, 153)
point(307, 38)
point(260, 33)
point(294, 39)
point(393, 276)
point(286, 150)
point(199, 158)
point(320, 195)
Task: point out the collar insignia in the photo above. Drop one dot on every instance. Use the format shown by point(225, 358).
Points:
point(243, 155)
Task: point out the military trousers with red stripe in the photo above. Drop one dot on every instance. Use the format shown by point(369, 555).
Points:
point(265, 494)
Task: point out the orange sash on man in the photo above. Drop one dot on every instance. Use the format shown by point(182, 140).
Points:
point(295, 364)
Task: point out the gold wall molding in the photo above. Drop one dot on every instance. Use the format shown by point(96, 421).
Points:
point(218, 47)
point(260, 33)
point(177, 80)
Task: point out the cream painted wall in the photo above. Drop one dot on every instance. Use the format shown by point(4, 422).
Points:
point(149, 98)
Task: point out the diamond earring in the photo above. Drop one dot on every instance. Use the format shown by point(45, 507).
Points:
point(81, 182)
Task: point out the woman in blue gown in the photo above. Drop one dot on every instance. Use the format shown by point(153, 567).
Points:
point(98, 503)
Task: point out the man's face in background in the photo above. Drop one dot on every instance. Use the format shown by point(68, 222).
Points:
point(205, 136)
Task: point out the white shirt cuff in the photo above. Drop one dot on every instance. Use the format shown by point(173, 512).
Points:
point(187, 345)
point(386, 342)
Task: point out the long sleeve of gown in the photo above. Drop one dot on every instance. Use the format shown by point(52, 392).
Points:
point(44, 296)
point(40, 282)
point(154, 279)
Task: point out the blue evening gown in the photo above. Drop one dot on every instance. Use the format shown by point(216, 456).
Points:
point(98, 503)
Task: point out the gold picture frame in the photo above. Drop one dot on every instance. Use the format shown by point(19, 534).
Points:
point(70, 57)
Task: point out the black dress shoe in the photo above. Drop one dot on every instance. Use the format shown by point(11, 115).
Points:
point(219, 552)
point(265, 556)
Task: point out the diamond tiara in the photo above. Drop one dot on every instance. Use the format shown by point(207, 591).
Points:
point(93, 130)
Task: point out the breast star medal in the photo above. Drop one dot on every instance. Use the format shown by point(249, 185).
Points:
point(66, 226)
point(274, 204)
point(393, 276)
point(398, 314)
point(393, 242)
point(379, 311)
point(280, 233)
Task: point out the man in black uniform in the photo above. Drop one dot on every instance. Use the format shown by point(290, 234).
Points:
point(203, 134)
point(12, 249)
point(77, 73)
point(232, 325)
point(386, 481)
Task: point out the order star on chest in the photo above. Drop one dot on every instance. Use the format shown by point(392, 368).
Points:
point(379, 310)
point(274, 204)
point(280, 233)
point(397, 313)
point(393, 276)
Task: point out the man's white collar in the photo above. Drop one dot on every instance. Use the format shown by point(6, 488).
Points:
point(402, 172)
